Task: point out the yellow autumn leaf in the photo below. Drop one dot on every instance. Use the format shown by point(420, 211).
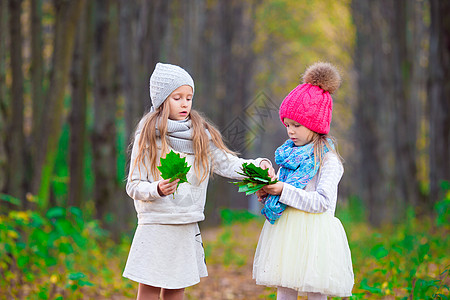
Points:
point(13, 234)
point(53, 278)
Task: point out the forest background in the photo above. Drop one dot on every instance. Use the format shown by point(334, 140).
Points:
point(74, 83)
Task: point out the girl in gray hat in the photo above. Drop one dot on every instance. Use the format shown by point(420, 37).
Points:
point(167, 254)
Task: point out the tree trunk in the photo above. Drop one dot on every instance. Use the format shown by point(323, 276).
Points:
point(418, 44)
point(231, 48)
point(15, 135)
point(3, 94)
point(405, 108)
point(207, 61)
point(388, 53)
point(37, 71)
point(105, 106)
point(77, 118)
point(67, 16)
point(373, 118)
point(439, 97)
point(142, 30)
point(129, 64)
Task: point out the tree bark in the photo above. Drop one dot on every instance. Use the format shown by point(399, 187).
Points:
point(77, 118)
point(129, 64)
point(419, 11)
point(3, 94)
point(142, 30)
point(105, 107)
point(388, 112)
point(15, 134)
point(207, 61)
point(229, 73)
point(405, 108)
point(37, 71)
point(373, 118)
point(439, 97)
point(67, 16)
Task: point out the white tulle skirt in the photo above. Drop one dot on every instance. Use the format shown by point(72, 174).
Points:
point(306, 252)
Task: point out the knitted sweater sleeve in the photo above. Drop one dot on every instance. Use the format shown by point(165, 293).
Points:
point(324, 197)
point(227, 165)
point(139, 186)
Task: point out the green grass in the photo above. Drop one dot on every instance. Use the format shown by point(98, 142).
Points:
point(64, 254)
point(59, 255)
point(410, 259)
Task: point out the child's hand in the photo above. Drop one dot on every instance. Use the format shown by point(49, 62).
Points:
point(266, 165)
point(166, 188)
point(261, 194)
point(274, 189)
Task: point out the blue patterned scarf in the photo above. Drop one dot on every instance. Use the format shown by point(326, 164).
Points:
point(297, 169)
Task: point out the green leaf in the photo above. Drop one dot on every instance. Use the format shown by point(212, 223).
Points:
point(254, 189)
point(174, 167)
point(239, 183)
point(65, 248)
point(22, 261)
point(50, 261)
point(10, 199)
point(262, 179)
point(76, 276)
point(56, 212)
point(251, 185)
point(365, 286)
point(76, 211)
point(243, 188)
point(85, 283)
point(255, 179)
point(379, 251)
point(43, 293)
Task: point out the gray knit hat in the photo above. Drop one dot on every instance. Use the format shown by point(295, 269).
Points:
point(165, 79)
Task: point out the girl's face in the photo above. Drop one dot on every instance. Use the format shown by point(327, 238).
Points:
point(299, 134)
point(180, 103)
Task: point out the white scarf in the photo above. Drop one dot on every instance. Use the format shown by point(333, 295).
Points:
point(179, 134)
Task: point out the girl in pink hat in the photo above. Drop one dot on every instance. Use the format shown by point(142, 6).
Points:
point(303, 248)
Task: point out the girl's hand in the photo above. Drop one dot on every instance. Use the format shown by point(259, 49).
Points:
point(274, 189)
point(266, 165)
point(261, 194)
point(166, 188)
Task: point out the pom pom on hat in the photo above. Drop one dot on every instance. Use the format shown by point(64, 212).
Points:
point(310, 104)
point(323, 75)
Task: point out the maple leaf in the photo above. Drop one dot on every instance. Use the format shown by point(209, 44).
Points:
point(255, 179)
point(174, 167)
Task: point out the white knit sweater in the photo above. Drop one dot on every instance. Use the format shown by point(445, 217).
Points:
point(188, 203)
point(320, 194)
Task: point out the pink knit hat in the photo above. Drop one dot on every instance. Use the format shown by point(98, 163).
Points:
point(310, 103)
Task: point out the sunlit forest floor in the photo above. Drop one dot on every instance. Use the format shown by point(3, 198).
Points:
point(62, 254)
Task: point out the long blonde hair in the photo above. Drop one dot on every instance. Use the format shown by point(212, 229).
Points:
point(148, 148)
point(320, 141)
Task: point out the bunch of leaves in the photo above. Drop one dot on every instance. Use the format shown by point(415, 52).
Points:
point(255, 179)
point(174, 167)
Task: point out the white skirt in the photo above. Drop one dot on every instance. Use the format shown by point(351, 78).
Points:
point(166, 256)
point(306, 252)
